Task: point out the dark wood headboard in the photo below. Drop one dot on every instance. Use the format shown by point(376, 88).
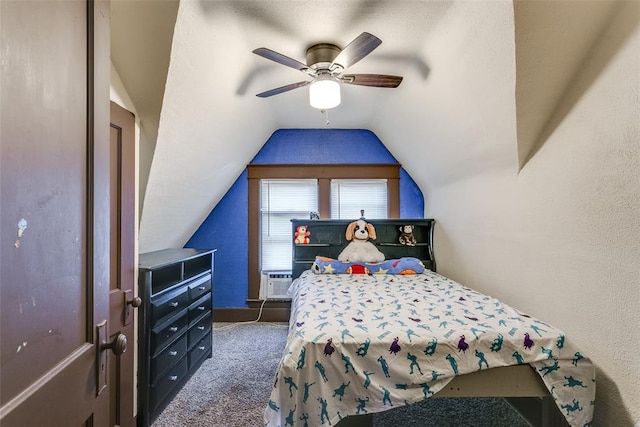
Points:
point(328, 238)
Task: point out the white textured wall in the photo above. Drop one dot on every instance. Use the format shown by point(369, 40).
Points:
point(561, 238)
point(200, 150)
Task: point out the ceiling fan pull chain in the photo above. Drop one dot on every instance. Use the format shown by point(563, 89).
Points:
point(326, 115)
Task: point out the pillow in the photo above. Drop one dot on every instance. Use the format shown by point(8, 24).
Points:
point(406, 265)
point(324, 265)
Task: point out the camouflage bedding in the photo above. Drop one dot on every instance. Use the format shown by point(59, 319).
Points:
point(367, 343)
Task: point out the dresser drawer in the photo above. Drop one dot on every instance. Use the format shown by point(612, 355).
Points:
point(199, 330)
point(167, 382)
point(165, 334)
point(168, 357)
point(166, 305)
point(199, 287)
point(199, 352)
point(199, 308)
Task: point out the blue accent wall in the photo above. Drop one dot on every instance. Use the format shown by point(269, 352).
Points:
point(323, 146)
point(226, 226)
point(225, 229)
point(411, 199)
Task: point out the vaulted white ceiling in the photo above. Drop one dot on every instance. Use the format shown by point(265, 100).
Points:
point(483, 83)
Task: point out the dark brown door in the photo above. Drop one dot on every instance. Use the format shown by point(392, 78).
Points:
point(121, 299)
point(54, 222)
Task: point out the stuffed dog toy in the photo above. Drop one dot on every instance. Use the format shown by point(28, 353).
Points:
point(361, 249)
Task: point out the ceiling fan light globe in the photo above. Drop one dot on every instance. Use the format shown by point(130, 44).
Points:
point(324, 94)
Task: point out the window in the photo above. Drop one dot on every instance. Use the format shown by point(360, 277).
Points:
point(324, 177)
point(280, 201)
point(284, 199)
point(349, 196)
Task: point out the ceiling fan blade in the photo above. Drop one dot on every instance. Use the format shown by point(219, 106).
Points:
point(360, 47)
point(280, 58)
point(375, 80)
point(281, 89)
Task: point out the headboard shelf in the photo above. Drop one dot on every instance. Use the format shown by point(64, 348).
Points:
point(327, 238)
point(399, 244)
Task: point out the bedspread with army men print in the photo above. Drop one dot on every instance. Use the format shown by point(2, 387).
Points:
point(359, 344)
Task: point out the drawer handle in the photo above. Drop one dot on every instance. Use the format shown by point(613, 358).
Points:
point(202, 288)
point(173, 329)
point(201, 328)
point(173, 377)
point(201, 347)
point(201, 308)
point(173, 304)
point(173, 353)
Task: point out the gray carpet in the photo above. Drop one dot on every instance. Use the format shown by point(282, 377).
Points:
point(232, 388)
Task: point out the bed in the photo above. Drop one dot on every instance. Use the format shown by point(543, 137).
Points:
point(365, 343)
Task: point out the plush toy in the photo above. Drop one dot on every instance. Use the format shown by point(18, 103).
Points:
point(302, 235)
point(360, 249)
point(406, 235)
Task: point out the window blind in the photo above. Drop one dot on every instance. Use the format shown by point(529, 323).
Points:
point(280, 201)
point(349, 196)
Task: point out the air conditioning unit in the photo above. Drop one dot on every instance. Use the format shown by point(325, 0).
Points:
point(274, 284)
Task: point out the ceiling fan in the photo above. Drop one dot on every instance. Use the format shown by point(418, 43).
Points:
point(326, 64)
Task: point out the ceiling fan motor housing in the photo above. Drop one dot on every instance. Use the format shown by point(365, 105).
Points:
point(321, 55)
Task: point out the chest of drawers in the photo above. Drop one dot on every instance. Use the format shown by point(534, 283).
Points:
point(174, 324)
